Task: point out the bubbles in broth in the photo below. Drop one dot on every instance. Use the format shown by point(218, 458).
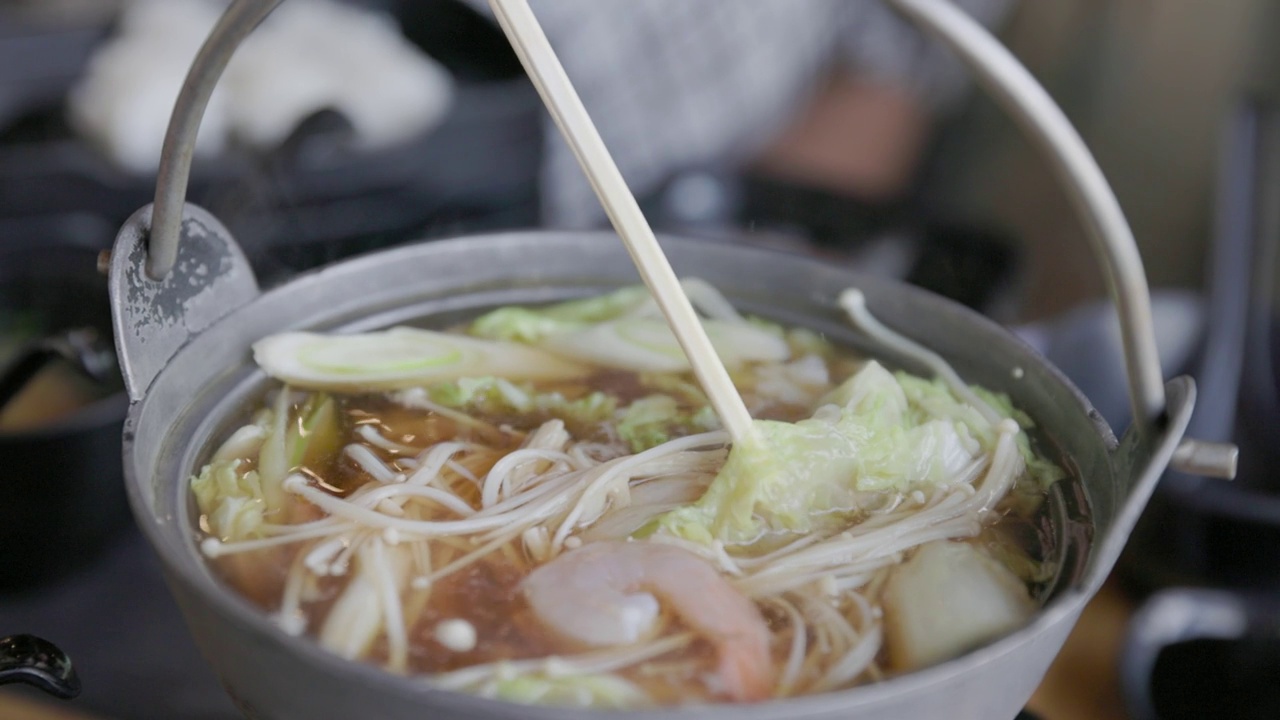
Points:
point(575, 529)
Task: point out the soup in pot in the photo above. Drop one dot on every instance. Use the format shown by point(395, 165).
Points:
point(541, 507)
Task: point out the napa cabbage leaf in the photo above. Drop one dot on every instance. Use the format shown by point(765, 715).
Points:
point(230, 497)
point(495, 395)
point(242, 485)
point(655, 419)
point(645, 423)
point(228, 490)
point(932, 398)
point(532, 325)
point(624, 329)
point(873, 437)
point(594, 691)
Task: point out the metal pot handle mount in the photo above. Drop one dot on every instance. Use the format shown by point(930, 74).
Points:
point(176, 270)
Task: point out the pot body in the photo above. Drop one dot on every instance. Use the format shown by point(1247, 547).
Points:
point(207, 386)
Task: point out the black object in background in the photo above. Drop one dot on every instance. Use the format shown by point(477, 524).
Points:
point(460, 38)
point(1209, 532)
point(969, 264)
point(132, 651)
point(317, 199)
point(1237, 679)
point(826, 218)
point(1194, 653)
point(37, 662)
point(64, 496)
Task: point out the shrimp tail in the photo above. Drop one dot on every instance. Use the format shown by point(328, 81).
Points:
point(746, 669)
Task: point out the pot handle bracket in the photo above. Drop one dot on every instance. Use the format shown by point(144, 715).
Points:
point(156, 318)
point(175, 270)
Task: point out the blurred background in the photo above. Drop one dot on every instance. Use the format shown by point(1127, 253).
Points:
point(820, 127)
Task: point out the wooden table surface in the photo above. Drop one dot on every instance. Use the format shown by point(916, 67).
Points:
point(14, 707)
point(1083, 683)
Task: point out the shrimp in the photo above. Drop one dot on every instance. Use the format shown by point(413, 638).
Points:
point(604, 594)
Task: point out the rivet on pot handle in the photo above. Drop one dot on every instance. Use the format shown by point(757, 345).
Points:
point(1013, 87)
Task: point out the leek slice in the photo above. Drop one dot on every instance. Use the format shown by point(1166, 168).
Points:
point(399, 358)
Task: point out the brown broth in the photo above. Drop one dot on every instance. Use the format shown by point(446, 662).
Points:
point(486, 593)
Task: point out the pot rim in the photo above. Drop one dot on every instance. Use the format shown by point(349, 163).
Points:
point(185, 566)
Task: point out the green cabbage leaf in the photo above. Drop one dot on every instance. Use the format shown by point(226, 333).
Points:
point(932, 398)
point(532, 325)
point(645, 423)
point(498, 396)
point(230, 498)
point(593, 691)
point(655, 419)
point(625, 329)
point(235, 496)
point(874, 436)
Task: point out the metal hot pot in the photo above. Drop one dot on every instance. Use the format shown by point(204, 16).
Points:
point(187, 308)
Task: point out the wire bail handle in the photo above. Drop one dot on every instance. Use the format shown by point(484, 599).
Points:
point(240, 19)
point(995, 68)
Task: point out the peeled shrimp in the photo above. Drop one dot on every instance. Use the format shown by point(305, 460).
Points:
point(607, 593)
